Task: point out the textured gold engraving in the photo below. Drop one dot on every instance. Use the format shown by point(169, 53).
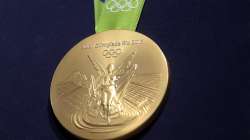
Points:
point(113, 98)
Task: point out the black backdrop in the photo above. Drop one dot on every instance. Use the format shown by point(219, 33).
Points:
point(205, 41)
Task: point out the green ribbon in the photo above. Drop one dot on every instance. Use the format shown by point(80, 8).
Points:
point(117, 14)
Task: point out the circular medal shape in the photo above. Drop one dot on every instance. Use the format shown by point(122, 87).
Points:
point(109, 85)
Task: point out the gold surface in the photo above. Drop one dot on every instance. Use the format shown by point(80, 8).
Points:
point(109, 85)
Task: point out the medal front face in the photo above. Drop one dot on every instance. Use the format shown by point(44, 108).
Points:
point(109, 85)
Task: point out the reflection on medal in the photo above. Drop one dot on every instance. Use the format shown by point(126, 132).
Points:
point(109, 85)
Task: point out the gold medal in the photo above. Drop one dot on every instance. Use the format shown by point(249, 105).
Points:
point(109, 85)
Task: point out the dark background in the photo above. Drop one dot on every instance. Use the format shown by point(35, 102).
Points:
point(205, 41)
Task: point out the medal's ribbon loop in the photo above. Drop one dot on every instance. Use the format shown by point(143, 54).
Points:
point(117, 14)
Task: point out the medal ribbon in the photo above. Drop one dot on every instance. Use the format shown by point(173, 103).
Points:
point(117, 14)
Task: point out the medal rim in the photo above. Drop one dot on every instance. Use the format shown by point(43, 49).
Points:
point(147, 118)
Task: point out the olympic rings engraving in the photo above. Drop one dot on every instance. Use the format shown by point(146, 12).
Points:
point(109, 53)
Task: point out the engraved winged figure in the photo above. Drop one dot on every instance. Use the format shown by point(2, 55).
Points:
point(109, 86)
point(113, 94)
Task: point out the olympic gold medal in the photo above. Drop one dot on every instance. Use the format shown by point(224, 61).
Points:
point(109, 85)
